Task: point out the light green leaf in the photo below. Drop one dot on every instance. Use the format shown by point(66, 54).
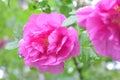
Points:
point(72, 12)
point(11, 45)
point(70, 20)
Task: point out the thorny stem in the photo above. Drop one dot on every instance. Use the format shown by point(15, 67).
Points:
point(78, 68)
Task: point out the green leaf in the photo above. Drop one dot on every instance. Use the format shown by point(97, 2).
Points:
point(72, 12)
point(42, 4)
point(47, 9)
point(67, 1)
point(33, 69)
point(64, 9)
point(12, 45)
point(18, 32)
point(93, 54)
point(70, 20)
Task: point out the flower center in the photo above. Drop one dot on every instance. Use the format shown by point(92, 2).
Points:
point(45, 42)
point(117, 8)
point(117, 21)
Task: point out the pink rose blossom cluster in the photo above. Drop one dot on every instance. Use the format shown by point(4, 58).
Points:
point(102, 22)
point(46, 44)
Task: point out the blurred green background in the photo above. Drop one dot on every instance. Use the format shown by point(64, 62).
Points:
point(15, 13)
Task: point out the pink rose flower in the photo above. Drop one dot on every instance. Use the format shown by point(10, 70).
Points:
point(103, 26)
point(46, 44)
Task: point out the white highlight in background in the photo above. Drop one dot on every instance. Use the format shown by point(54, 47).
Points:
point(110, 66)
point(1, 73)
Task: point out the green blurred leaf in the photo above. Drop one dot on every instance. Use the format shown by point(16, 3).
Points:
point(42, 4)
point(64, 9)
point(66, 1)
point(70, 20)
point(72, 12)
point(18, 32)
point(47, 9)
point(33, 69)
point(32, 6)
point(12, 45)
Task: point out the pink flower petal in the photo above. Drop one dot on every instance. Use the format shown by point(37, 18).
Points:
point(82, 15)
point(73, 34)
point(54, 69)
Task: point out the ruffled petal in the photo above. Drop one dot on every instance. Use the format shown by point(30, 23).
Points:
point(105, 5)
point(22, 50)
point(83, 14)
point(73, 34)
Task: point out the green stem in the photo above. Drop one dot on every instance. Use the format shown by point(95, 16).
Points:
point(78, 68)
point(9, 3)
